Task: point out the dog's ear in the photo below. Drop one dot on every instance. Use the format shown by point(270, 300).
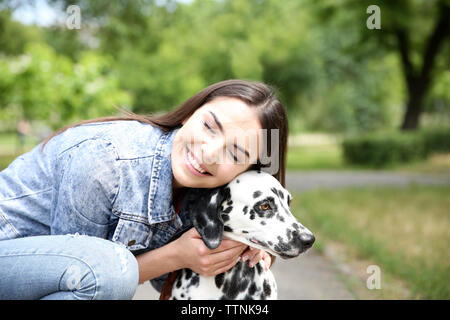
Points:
point(204, 213)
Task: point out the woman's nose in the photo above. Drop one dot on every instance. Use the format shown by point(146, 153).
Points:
point(212, 151)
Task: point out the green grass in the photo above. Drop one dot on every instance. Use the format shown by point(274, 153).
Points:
point(315, 157)
point(403, 230)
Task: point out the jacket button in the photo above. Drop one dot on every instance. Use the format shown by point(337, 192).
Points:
point(131, 242)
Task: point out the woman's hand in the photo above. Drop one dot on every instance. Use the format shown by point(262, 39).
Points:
point(189, 251)
point(254, 255)
point(193, 254)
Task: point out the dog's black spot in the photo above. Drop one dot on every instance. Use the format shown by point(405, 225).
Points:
point(248, 272)
point(244, 231)
point(195, 280)
point(264, 244)
point(182, 295)
point(258, 268)
point(188, 273)
point(274, 190)
point(298, 226)
point(227, 228)
point(245, 209)
point(277, 192)
point(285, 208)
point(270, 243)
point(229, 202)
point(237, 180)
point(219, 279)
point(226, 194)
point(266, 288)
point(178, 284)
point(252, 289)
point(228, 210)
point(279, 217)
point(263, 223)
point(225, 217)
point(256, 194)
point(237, 284)
point(282, 246)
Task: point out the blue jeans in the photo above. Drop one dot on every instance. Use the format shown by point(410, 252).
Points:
point(66, 267)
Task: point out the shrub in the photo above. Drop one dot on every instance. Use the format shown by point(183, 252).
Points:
point(383, 149)
point(437, 140)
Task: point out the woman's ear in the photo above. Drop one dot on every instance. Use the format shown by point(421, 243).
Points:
point(204, 211)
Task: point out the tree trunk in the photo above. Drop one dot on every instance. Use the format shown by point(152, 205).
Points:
point(419, 83)
point(413, 111)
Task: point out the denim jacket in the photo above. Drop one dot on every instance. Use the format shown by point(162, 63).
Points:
point(111, 180)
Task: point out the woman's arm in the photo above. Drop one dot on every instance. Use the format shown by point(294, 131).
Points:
point(157, 262)
point(189, 251)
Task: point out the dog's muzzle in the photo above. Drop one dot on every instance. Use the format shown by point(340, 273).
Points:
point(299, 243)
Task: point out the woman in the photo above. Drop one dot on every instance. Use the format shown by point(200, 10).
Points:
point(121, 180)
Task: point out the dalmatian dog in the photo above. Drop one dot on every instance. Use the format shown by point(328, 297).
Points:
point(253, 209)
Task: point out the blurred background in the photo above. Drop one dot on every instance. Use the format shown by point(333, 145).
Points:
point(362, 102)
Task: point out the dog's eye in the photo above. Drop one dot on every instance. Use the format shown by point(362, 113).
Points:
point(265, 206)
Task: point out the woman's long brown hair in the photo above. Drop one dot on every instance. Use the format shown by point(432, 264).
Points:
point(271, 114)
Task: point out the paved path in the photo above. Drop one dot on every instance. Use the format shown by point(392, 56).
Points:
point(302, 181)
point(312, 275)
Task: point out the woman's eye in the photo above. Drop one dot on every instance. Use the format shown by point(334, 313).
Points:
point(264, 206)
point(233, 156)
point(208, 127)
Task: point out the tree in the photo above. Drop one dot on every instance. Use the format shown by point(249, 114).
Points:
point(14, 36)
point(417, 31)
point(419, 78)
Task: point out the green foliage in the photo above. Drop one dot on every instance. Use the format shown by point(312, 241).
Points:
point(14, 36)
point(383, 149)
point(42, 85)
point(330, 71)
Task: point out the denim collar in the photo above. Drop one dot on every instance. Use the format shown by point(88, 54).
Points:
point(160, 206)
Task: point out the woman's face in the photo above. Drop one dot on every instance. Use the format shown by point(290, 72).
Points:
point(215, 144)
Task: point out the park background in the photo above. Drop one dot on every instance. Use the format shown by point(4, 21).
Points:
point(359, 100)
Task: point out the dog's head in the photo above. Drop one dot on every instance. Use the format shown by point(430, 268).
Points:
point(253, 209)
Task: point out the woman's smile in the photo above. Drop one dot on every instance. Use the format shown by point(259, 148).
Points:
point(193, 165)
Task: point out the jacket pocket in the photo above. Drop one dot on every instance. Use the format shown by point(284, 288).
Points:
point(132, 234)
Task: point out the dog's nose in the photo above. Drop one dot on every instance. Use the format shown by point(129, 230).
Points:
point(307, 240)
